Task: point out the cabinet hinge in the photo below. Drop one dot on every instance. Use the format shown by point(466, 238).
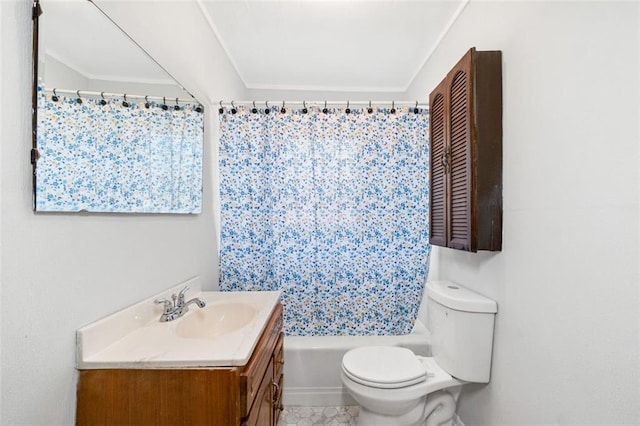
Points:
point(35, 155)
point(36, 10)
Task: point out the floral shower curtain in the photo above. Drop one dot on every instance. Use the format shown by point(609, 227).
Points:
point(332, 209)
point(107, 157)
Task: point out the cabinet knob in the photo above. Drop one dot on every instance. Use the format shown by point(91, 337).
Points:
point(446, 160)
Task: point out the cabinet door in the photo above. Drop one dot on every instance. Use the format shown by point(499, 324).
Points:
point(461, 155)
point(261, 361)
point(278, 379)
point(466, 155)
point(261, 413)
point(438, 168)
point(277, 398)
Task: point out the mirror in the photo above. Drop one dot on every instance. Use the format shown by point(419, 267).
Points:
point(82, 56)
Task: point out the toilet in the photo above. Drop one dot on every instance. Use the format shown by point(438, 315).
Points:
point(395, 387)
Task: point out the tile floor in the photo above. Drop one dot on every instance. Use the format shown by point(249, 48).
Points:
point(318, 416)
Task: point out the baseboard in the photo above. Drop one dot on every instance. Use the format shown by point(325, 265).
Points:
point(316, 397)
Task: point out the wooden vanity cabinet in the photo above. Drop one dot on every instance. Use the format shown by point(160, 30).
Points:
point(465, 134)
point(267, 399)
point(248, 395)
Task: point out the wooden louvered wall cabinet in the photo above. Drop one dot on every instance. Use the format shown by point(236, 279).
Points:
point(465, 133)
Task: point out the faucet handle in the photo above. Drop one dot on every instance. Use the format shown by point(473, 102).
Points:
point(168, 304)
point(181, 295)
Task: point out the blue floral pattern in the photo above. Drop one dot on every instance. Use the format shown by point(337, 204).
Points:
point(111, 158)
point(331, 209)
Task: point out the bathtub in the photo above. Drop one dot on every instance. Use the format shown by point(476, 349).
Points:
point(313, 364)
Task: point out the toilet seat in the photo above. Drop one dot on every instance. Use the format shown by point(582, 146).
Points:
point(437, 379)
point(384, 367)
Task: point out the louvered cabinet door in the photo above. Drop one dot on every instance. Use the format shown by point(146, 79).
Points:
point(460, 154)
point(437, 167)
point(466, 155)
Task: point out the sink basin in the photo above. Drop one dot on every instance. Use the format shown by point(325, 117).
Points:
point(222, 334)
point(215, 320)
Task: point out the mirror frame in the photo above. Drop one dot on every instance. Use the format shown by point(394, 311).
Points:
point(35, 15)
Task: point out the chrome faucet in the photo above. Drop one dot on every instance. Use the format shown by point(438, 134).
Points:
point(177, 307)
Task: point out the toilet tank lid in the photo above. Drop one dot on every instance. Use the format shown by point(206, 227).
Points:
point(456, 297)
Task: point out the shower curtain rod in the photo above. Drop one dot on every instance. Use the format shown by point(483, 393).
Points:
point(81, 93)
point(323, 103)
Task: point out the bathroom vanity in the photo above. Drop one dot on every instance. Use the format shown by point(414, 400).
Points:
point(195, 373)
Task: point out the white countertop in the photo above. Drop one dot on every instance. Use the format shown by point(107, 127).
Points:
point(135, 338)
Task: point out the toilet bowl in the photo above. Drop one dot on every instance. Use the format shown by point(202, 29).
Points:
point(395, 387)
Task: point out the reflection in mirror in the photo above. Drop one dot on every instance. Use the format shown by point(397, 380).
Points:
point(115, 133)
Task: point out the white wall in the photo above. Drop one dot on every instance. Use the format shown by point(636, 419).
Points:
point(170, 91)
point(275, 96)
point(566, 347)
point(3, 37)
point(61, 271)
point(56, 74)
point(59, 75)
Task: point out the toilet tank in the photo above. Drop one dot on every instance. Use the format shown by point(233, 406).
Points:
point(461, 325)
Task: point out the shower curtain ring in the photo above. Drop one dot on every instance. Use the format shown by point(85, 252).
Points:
point(348, 110)
point(103, 101)
point(266, 110)
point(369, 110)
point(304, 107)
point(325, 110)
point(282, 110)
point(393, 107)
point(415, 110)
point(164, 104)
point(79, 100)
point(125, 103)
point(221, 109)
point(254, 109)
point(146, 101)
point(54, 98)
point(176, 106)
point(233, 108)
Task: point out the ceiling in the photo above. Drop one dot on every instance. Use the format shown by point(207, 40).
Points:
point(330, 45)
point(347, 45)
